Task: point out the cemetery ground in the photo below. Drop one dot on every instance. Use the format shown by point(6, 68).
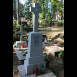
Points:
point(56, 65)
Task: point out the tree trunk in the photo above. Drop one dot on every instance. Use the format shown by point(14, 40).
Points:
point(17, 8)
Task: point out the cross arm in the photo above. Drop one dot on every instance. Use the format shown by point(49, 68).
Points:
point(32, 9)
point(18, 32)
point(24, 32)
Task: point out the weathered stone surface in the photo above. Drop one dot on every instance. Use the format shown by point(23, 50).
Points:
point(19, 55)
point(35, 56)
point(35, 53)
point(22, 73)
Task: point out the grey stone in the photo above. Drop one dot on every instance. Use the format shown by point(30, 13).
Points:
point(20, 56)
point(35, 56)
point(35, 53)
point(35, 44)
point(21, 32)
point(36, 10)
point(48, 73)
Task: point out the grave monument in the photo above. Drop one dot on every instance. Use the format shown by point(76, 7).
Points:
point(21, 32)
point(35, 56)
point(21, 46)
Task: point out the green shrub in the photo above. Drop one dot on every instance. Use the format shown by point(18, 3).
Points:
point(59, 23)
point(25, 39)
point(45, 22)
point(15, 26)
point(48, 59)
point(54, 20)
point(14, 23)
point(14, 72)
point(15, 38)
point(27, 28)
point(45, 54)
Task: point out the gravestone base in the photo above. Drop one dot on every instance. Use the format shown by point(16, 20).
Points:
point(30, 63)
point(29, 69)
point(18, 44)
point(35, 56)
point(48, 73)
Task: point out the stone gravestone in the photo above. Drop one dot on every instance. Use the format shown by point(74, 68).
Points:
point(17, 46)
point(21, 32)
point(35, 56)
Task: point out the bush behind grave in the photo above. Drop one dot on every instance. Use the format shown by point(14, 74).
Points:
point(45, 22)
point(28, 28)
point(60, 23)
point(48, 58)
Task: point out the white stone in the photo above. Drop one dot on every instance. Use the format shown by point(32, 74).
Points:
point(20, 49)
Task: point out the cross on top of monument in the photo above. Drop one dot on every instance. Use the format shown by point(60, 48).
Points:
point(36, 10)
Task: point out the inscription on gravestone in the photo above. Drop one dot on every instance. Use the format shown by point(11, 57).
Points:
point(36, 40)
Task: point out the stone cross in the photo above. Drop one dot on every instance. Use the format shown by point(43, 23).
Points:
point(21, 33)
point(36, 10)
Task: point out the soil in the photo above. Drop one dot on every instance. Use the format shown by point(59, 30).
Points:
point(54, 33)
point(57, 67)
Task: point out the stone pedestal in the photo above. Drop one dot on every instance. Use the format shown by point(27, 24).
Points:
point(35, 56)
point(48, 73)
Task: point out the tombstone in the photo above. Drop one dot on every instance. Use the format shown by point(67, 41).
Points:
point(35, 54)
point(18, 43)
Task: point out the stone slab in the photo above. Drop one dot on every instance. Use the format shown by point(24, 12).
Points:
point(20, 56)
point(53, 49)
point(18, 43)
point(48, 73)
point(20, 49)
